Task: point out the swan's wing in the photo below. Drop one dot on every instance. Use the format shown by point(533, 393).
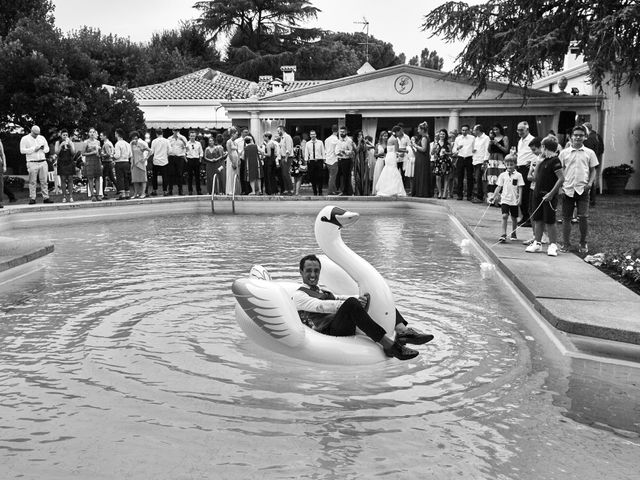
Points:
point(270, 308)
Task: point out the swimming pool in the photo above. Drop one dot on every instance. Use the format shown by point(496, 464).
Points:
point(123, 360)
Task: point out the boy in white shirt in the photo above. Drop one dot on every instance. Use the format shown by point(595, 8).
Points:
point(509, 191)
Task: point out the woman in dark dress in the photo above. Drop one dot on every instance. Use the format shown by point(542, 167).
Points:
point(361, 166)
point(253, 167)
point(423, 181)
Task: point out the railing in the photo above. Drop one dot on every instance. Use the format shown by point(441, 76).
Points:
point(213, 192)
point(233, 193)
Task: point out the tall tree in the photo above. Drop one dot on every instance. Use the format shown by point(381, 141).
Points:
point(257, 27)
point(518, 40)
point(431, 59)
point(11, 11)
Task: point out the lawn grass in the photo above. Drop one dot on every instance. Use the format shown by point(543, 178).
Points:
point(614, 225)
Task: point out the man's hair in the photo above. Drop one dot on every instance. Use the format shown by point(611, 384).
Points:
point(343, 127)
point(159, 132)
point(465, 125)
point(479, 127)
point(311, 258)
point(396, 128)
point(269, 135)
point(134, 134)
point(550, 143)
point(64, 130)
point(334, 128)
point(511, 158)
point(578, 127)
point(193, 131)
point(588, 125)
point(535, 142)
point(120, 132)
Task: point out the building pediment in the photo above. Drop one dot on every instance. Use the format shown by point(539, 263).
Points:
point(398, 83)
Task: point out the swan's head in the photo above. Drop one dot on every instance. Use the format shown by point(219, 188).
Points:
point(338, 216)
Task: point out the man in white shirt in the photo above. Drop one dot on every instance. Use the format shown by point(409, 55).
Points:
point(344, 152)
point(479, 160)
point(177, 158)
point(195, 154)
point(160, 157)
point(339, 316)
point(286, 151)
point(314, 156)
point(525, 157)
point(331, 159)
point(463, 148)
point(121, 156)
point(35, 147)
point(579, 163)
point(106, 157)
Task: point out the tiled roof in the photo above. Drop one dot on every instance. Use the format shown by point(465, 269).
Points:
point(208, 84)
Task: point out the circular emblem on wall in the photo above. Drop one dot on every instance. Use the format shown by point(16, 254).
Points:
point(403, 84)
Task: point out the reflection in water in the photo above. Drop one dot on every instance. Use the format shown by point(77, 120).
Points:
point(125, 361)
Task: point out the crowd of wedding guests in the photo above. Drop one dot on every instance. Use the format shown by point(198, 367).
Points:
point(401, 161)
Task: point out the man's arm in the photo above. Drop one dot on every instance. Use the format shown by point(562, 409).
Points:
point(307, 303)
point(25, 149)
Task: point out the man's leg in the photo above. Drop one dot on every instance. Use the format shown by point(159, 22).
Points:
point(567, 212)
point(526, 189)
point(468, 166)
point(43, 176)
point(583, 216)
point(460, 177)
point(333, 172)
point(180, 161)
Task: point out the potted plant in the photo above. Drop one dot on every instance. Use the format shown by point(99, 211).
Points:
point(617, 178)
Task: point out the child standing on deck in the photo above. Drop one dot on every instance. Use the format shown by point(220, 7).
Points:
point(509, 191)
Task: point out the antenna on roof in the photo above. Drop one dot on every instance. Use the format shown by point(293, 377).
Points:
point(365, 27)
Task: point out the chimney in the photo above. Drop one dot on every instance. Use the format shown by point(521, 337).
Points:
point(264, 79)
point(277, 86)
point(288, 73)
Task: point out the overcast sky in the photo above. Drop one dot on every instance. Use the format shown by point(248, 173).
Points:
point(395, 22)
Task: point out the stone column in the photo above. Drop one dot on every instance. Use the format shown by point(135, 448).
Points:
point(454, 119)
point(254, 125)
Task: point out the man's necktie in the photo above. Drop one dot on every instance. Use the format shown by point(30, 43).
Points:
point(313, 144)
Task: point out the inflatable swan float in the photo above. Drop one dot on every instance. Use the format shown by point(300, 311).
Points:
point(267, 314)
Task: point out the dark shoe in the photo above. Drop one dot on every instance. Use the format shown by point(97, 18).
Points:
point(32, 202)
point(13, 200)
point(190, 192)
point(413, 337)
point(476, 200)
point(154, 193)
point(502, 239)
point(1, 206)
point(121, 197)
point(47, 200)
point(513, 237)
point(400, 352)
point(459, 198)
point(198, 193)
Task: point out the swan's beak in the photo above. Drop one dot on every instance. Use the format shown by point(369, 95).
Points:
point(348, 218)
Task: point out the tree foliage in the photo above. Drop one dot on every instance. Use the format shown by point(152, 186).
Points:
point(49, 80)
point(11, 11)
point(260, 33)
point(519, 40)
point(431, 59)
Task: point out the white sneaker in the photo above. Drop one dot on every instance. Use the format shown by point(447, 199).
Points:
point(64, 200)
point(70, 199)
point(545, 238)
point(552, 250)
point(534, 247)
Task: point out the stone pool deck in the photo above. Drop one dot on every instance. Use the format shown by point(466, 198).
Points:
point(570, 294)
point(17, 252)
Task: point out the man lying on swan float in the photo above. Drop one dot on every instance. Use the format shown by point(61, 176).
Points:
point(306, 322)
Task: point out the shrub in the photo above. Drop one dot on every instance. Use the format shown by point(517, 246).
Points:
point(622, 170)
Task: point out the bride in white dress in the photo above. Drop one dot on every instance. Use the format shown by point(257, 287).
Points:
point(390, 181)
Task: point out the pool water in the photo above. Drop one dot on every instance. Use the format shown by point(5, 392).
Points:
point(122, 359)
